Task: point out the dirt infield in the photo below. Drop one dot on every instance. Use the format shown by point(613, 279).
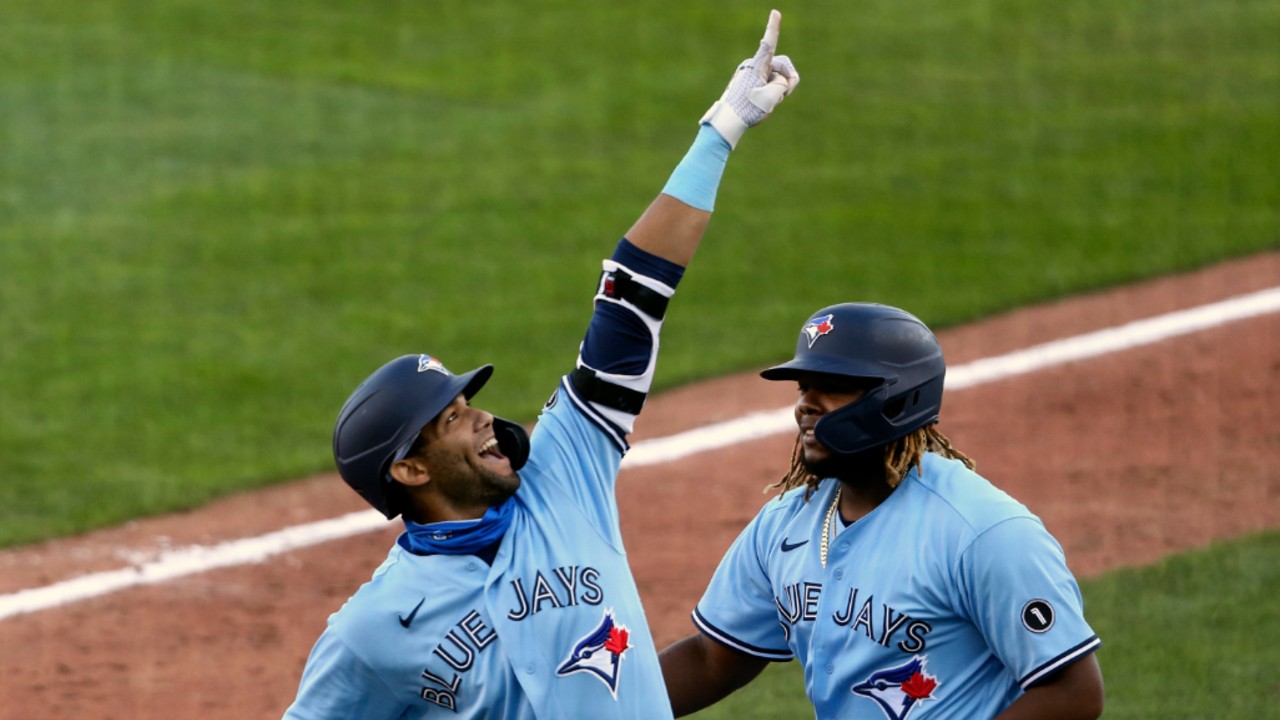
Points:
point(1126, 457)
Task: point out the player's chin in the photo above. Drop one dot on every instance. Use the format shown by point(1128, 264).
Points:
point(500, 478)
point(824, 463)
point(815, 455)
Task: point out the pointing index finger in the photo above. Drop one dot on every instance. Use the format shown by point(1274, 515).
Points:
point(771, 30)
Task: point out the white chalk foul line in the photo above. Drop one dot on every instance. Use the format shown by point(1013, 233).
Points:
point(196, 559)
point(188, 561)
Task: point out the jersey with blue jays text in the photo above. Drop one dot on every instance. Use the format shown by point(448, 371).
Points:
point(946, 601)
point(554, 628)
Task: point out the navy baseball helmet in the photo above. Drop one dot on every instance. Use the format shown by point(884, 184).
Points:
point(887, 346)
point(385, 413)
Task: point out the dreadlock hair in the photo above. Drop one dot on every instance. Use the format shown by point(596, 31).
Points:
point(899, 457)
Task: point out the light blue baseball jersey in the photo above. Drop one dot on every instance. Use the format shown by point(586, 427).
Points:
point(946, 601)
point(554, 628)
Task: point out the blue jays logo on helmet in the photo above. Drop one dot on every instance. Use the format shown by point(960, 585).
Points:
point(898, 690)
point(599, 653)
point(426, 362)
point(817, 327)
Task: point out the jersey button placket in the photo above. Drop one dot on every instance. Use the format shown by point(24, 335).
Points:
point(840, 546)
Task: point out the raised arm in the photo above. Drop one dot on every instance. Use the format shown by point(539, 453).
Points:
point(674, 223)
point(615, 366)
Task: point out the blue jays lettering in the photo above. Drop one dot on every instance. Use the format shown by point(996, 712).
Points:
point(879, 622)
point(570, 587)
point(469, 637)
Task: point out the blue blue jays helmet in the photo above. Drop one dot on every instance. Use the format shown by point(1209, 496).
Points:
point(889, 347)
point(381, 420)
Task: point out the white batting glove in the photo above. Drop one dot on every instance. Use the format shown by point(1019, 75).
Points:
point(758, 86)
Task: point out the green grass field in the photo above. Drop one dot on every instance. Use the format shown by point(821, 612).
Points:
point(215, 218)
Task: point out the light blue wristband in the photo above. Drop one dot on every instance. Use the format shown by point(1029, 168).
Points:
point(696, 179)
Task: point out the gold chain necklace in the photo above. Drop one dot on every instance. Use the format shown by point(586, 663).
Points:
point(826, 527)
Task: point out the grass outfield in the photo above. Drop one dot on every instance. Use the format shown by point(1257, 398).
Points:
point(215, 218)
point(1191, 637)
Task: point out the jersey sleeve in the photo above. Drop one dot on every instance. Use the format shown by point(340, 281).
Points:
point(1024, 600)
point(337, 685)
point(572, 462)
point(738, 607)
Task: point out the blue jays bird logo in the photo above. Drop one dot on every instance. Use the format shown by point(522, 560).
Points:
point(599, 653)
point(426, 362)
point(818, 327)
point(897, 690)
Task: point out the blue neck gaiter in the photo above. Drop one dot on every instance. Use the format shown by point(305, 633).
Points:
point(460, 537)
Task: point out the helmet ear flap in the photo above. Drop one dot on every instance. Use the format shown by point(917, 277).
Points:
point(513, 441)
point(878, 418)
point(855, 427)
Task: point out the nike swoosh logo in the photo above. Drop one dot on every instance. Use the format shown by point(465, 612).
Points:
point(407, 621)
point(788, 547)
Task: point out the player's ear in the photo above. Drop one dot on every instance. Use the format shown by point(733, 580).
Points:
point(411, 471)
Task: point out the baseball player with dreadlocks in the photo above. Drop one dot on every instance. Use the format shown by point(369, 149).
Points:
point(907, 585)
point(508, 595)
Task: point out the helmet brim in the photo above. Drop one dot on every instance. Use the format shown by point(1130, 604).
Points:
point(817, 364)
point(466, 384)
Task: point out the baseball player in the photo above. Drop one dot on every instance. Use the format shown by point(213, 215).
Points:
point(907, 585)
point(508, 595)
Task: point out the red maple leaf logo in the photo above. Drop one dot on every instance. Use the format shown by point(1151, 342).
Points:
point(919, 686)
point(617, 642)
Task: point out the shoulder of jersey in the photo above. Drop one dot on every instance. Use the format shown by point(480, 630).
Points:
point(791, 503)
point(972, 496)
